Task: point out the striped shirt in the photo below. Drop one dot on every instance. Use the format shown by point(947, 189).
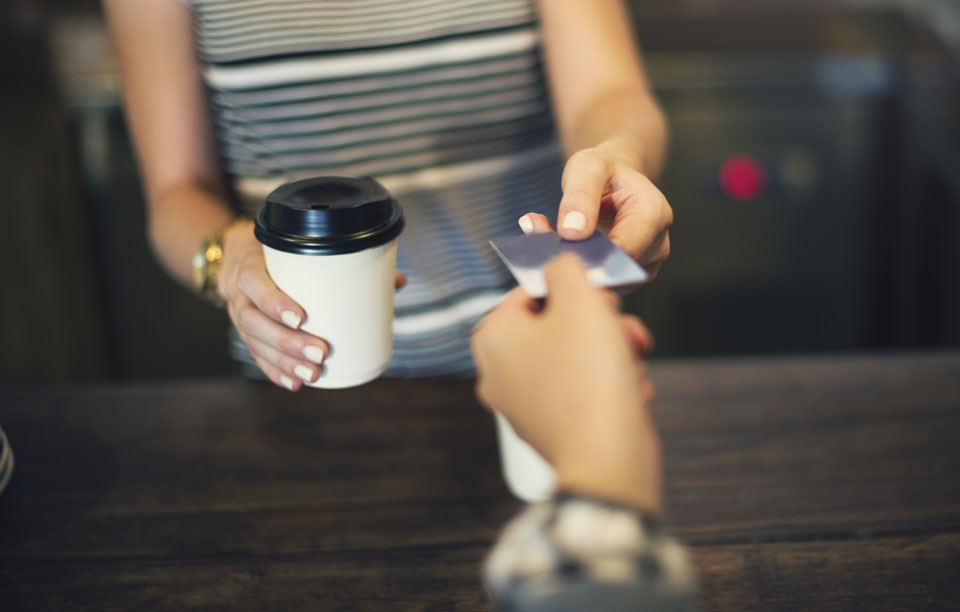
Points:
point(443, 101)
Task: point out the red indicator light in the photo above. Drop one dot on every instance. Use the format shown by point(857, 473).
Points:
point(742, 178)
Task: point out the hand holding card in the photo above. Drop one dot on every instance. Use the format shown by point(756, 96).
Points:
point(607, 265)
point(567, 385)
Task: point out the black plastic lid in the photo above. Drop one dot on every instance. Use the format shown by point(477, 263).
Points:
point(328, 215)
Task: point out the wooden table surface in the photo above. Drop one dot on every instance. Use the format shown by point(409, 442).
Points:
point(799, 484)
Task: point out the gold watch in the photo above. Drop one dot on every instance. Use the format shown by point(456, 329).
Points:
point(206, 263)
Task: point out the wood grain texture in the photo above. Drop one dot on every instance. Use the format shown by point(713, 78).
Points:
point(811, 446)
point(814, 483)
point(899, 574)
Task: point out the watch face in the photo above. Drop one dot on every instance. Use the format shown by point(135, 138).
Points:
point(213, 253)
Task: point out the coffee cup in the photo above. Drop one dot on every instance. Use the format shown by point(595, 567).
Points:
point(330, 243)
point(527, 474)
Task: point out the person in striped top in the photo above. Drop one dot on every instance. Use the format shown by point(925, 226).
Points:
point(473, 113)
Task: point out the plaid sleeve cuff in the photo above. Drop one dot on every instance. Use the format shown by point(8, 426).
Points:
point(575, 540)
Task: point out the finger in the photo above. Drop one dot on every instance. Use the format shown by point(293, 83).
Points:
point(642, 222)
point(299, 345)
point(654, 257)
point(401, 281)
point(254, 282)
point(535, 223)
point(584, 181)
point(637, 333)
point(567, 282)
point(612, 299)
point(499, 326)
point(296, 368)
point(277, 376)
point(514, 300)
point(652, 270)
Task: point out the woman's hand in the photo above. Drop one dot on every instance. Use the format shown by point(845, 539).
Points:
point(268, 319)
point(611, 126)
point(571, 381)
point(601, 190)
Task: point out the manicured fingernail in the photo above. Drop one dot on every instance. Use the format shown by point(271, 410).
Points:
point(526, 225)
point(313, 353)
point(290, 318)
point(574, 220)
point(304, 371)
point(287, 382)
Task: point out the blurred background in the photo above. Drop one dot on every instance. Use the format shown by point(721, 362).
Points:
point(814, 173)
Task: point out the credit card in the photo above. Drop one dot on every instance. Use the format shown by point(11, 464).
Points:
point(607, 265)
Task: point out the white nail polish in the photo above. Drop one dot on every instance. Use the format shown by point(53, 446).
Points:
point(575, 220)
point(313, 353)
point(526, 225)
point(303, 371)
point(290, 319)
point(287, 382)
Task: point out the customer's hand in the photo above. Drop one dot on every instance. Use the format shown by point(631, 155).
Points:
point(571, 381)
point(601, 190)
point(268, 319)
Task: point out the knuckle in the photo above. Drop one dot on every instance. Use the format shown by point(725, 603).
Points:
point(667, 213)
point(287, 364)
point(290, 344)
point(247, 278)
point(665, 249)
point(246, 317)
point(590, 158)
point(582, 192)
point(587, 161)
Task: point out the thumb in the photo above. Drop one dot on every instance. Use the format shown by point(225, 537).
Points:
point(567, 281)
point(584, 179)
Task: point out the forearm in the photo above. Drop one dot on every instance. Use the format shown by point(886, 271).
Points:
point(628, 123)
point(627, 473)
point(181, 217)
point(601, 94)
point(167, 112)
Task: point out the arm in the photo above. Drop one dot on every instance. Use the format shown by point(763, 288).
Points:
point(600, 89)
point(169, 119)
point(613, 130)
point(571, 381)
point(166, 112)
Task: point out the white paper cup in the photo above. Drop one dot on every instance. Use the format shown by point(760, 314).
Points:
point(527, 474)
point(349, 303)
point(330, 243)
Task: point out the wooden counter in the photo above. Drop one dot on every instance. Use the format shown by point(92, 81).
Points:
point(815, 483)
